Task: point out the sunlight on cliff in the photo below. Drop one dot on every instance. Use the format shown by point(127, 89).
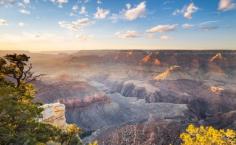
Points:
point(218, 56)
point(157, 62)
point(146, 59)
point(166, 73)
point(216, 90)
point(130, 53)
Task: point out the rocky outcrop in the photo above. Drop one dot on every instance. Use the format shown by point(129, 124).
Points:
point(54, 114)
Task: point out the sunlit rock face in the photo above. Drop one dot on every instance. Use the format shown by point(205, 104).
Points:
point(172, 73)
point(54, 114)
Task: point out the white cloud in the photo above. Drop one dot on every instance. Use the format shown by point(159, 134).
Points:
point(187, 26)
point(115, 17)
point(225, 5)
point(75, 25)
point(162, 28)
point(3, 22)
point(128, 6)
point(127, 34)
point(191, 8)
point(59, 2)
point(99, 1)
point(19, 3)
point(187, 11)
point(164, 37)
point(21, 24)
point(176, 12)
point(26, 1)
point(83, 10)
point(7, 2)
point(101, 13)
point(24, 11)
point(75, 9)
point(84, 37)
point(135, 12)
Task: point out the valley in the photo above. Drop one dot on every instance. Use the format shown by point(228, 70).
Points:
point(139, 97)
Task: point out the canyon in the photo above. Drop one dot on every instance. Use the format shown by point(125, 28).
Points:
point(139, 97)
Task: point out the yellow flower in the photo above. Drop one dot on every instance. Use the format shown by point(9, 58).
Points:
point(72, 128)
point(230, 133)
point(207, 136)
point(94, 143)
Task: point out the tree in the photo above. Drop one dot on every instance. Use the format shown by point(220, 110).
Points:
point(19, 117)
point(18, 68)
point(19, 114)
point(208, 136)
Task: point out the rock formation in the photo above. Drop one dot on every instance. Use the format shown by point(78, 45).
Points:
point(54, 114)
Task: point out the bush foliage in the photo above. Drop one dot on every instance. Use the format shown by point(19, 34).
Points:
point(208, 136)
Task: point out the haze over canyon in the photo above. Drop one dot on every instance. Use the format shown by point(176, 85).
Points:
point(139, 97)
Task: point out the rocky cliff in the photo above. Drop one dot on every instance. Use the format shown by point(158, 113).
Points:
point(54, 114)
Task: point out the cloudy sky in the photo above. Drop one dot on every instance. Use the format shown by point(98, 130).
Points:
point(43, 25)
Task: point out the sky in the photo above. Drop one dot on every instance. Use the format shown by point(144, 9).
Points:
point(54, 25)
